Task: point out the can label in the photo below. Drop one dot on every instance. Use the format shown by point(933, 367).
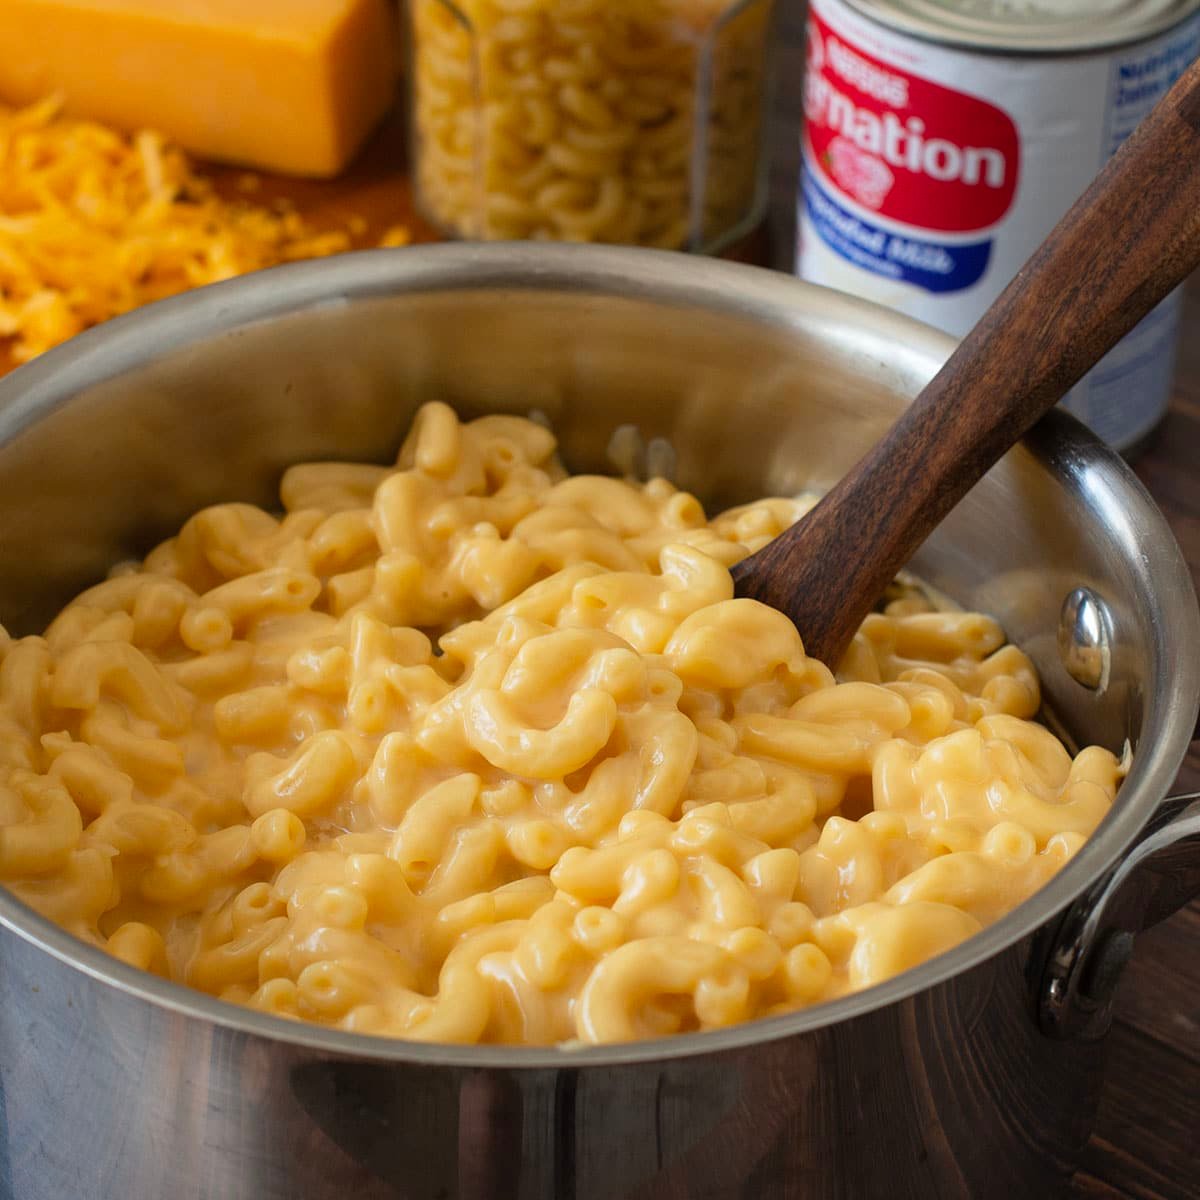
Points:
point(930, 174)
point(916, 155)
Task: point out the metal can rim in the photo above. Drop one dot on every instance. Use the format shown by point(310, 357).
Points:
point(939, 22)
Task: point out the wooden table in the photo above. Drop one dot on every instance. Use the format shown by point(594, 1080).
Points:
point(1147, 1142)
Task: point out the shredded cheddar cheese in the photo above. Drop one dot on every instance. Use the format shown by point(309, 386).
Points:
point(94, 223)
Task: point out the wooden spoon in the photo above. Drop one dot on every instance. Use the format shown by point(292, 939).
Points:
point(1130, 239)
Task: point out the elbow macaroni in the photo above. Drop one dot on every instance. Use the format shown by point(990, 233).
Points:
point(636, 121)
point(468, 750)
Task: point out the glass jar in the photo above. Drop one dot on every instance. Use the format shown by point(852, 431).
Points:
point(633, 121)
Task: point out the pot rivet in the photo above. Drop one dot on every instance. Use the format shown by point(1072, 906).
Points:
point(1085, 638)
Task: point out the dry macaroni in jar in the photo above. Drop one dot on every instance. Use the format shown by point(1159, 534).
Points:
point(631, 121)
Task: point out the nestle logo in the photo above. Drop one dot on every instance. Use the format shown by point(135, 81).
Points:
point(866, 77)
point(904, 146)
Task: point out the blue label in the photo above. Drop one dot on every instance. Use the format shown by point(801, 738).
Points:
point(930, 265)
point(1139, 79)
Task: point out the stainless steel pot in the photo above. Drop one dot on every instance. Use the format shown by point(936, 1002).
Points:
point(974, 1075)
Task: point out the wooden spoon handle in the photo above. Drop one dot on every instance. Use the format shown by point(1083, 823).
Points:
point(1129, 240)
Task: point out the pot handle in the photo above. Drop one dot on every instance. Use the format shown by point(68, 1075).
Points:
point(1094, 940)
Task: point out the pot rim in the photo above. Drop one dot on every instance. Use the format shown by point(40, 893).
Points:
point(51, 380)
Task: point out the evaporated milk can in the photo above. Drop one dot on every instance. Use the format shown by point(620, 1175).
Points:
point(943, 139)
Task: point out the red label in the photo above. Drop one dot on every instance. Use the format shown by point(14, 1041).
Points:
point(902, 146)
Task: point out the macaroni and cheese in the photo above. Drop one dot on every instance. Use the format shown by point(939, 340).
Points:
point(467, 749)
point(635, 121)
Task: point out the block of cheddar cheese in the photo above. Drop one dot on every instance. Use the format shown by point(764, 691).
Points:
point(292, 86)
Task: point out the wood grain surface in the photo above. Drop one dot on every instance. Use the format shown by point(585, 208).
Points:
point(1147, 1141)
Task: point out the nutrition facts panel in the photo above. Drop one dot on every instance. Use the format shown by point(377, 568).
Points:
point(1143, 76)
